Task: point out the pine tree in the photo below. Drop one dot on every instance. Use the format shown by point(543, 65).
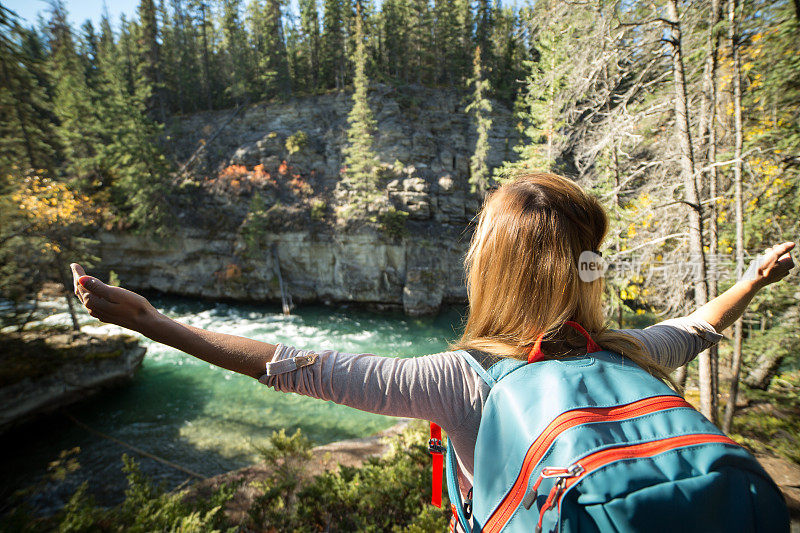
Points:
point(421, 41)
point(25, 129)
point(126, 50)
point(309, 29)
point(86, 49)
point(135, 168)
point(203, 28)
point(481, 107)
point(332, 61)
point(395, 31)
point(266, 26)
point(484, 23)
point(510, 54)
point(537, 105)
point(150, 59)
point(447, 46)
point(237, 50)
point(360, 158)
point(79, 131)
point(184, 77)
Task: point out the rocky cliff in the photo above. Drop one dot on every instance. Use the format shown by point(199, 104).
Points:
point(426, 130)
point(43, 371)
point(257, 204)
point(417, 274)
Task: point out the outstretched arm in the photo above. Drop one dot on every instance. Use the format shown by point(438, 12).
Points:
point(725, 309)
point(122, 307)
point(440, 387)
point(677, 341)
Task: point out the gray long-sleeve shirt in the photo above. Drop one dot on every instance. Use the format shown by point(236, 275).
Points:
point(443, 388)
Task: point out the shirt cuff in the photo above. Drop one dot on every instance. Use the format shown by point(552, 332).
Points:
point(287, 360)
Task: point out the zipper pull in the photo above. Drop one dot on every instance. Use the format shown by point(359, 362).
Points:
point(552, 472)
point(551, 499)
point(570, 471)
point(549, 472)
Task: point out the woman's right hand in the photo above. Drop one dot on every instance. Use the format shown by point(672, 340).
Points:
point(113, 305)
point(771, 266)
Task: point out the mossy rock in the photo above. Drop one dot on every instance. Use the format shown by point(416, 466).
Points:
point(35, 354)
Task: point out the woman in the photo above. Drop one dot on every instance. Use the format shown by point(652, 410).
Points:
point(523, 283)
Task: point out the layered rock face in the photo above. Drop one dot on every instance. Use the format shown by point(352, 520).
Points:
point(289, 154)
point(417, 274)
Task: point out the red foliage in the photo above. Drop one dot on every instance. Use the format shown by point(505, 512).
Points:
point(236, 179)
point(231, 271)
point(299, 186)
point(233, 171)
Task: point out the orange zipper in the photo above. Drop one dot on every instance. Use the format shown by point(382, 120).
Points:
point(561, 423)
point(594, 461)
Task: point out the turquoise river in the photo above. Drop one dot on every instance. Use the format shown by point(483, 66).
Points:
point(201, 417)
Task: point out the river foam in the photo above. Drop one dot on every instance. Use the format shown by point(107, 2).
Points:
point(208, 419)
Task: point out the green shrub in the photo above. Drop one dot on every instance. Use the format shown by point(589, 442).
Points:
point(391, 493)
point(146, 508)
point(393, 223)
point(771, 424)
point(261, 219)
point(296, 142)
point(286, 458)
point(318, 210)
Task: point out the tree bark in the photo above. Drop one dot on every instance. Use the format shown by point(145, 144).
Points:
point(708, 142)
point(736, 363)
point(691, 197)
point(766, 367)
point(68, 295)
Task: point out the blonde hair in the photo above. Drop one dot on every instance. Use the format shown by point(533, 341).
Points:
point(522, 273)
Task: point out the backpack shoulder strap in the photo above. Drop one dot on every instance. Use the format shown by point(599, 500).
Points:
point(491, 368)
point(480, 363)
point(453, 491)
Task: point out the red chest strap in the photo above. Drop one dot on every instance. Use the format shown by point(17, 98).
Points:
point(535, 353)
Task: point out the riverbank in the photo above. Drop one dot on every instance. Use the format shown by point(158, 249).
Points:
point(252, 482)
point(218, 424)
point(47, 369)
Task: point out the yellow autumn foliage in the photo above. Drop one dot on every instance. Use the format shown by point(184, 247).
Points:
point(49, 203)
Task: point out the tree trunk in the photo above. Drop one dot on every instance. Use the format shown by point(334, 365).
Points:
point(68, 296)
point(736, 363)
point(766, 367)
point(206, 69)
point(692, 198)
point(708, 142)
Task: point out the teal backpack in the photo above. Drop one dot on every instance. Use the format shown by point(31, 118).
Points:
point(597, 444)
